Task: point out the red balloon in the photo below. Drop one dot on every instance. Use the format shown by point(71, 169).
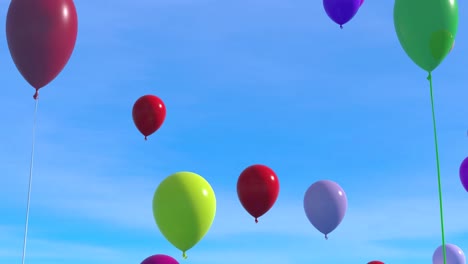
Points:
point(148, 114)
point(376, 262)
point(41, 36)
point(258, 189)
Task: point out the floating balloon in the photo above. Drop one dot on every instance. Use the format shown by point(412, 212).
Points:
point(160, 259)
point(184, 207)
point(41, 36)
point(341, 11)
point(325, 205)
point(257, 189)
point(148, 114)
point(426, 29)
point(376, 262)
point(454, 255)
point(464, 173)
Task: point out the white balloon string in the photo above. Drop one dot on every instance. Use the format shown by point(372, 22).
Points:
point(30, 182)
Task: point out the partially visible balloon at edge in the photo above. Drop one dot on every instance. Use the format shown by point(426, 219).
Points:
point(160, 259)
point(375, 262)
point(464, 173)
point(362, 2)
point(341, 12)
point(453, 253)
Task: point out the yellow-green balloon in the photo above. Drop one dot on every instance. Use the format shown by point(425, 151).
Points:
point(184, 207)
point(426, 29)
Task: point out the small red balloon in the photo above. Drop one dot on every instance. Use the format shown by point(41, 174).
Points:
point(41, 36)
point(258, 188)
point(148, 114)
point(376, 262)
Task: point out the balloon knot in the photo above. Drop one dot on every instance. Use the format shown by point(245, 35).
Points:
point(429, 76)
point(341, 26)
point(146, 138)
point(256, 220)
point(326, 237)
point(36, 94)
point(184, 255)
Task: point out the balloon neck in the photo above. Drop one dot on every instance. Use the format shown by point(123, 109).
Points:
point(326, 237)
point(341, 26)
point(146, 138)
point(36, 94)
point(256, 220)
point(184, 255)
point(429, 76)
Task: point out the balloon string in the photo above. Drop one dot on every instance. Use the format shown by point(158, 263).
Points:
point(31, 165)
point(438, 170)
point(184, 255)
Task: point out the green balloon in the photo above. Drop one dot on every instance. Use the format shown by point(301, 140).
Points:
point(426, 29)
point(184, 207)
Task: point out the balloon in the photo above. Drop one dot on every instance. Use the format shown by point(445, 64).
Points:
point(257, 189)
point(159, 259)
point(362, 2)
point(426, 29)
point(454, 255)
point(184, 207)
point(341, 11)
point(376, 262)
point(464, 173)
point(148, 114)
point(41, 36)
point(325, 205)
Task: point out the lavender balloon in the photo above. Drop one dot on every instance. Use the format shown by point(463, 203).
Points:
point(325, 205)
point(454, 255)
point(341, 11)
point(464, 173)
point(160, 259)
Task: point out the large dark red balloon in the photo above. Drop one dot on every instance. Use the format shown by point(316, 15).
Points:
point(376, 262)
point(258, 189)
point(41, 36)
point(148, 114)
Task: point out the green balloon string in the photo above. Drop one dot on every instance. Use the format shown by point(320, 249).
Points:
point(184, 255)
point(429, 78)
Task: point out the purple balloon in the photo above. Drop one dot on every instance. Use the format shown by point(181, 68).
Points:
point(160, 259)
point(454, 255)
point(464, 173)
point(325, 205)
point(341, 11)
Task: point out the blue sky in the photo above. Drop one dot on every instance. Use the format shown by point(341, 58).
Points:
point(244, 82)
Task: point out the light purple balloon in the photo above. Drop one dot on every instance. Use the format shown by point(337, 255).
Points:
point(341, 11)
point(160, 259)
point(454, 255)
point(325, 205)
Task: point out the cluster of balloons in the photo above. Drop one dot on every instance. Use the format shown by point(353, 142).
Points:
point(342, 11)
point(184, 204)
